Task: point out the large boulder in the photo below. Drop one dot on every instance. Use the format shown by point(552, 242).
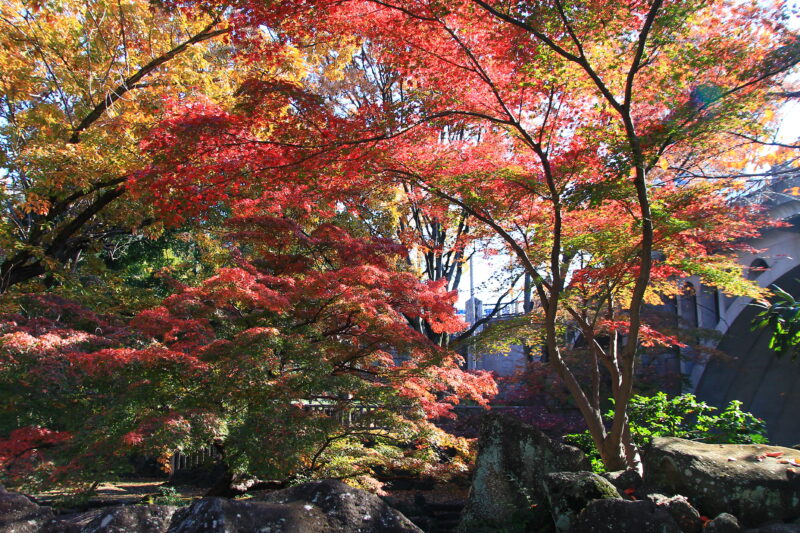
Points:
point(507, 491)
point(624, 516)
point(317, 507)
point(569, 492)
point(741, 479)
point(72, 522)
point(131, 519)
point(221, 515)
point(18, 514)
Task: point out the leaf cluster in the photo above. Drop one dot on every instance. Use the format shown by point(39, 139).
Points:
point(781, 318)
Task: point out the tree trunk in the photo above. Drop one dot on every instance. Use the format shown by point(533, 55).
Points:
point(612, 453)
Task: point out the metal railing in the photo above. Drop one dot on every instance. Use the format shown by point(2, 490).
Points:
point(353, 417)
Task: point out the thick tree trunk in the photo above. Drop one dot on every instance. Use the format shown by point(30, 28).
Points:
point(12, 273)
point(618, 451)
point(613, 454)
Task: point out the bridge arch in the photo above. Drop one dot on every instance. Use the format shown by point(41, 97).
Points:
point(745, 369)
point(748, 371)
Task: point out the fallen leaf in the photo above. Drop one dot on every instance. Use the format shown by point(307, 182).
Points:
point(774, 454)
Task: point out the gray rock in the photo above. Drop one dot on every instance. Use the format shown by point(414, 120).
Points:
point(624, 480)
point(18, 514)
point(507, 492)
point(723, 523)
point(131, 519)
point(679, 508)
point(116, 519)
point(221, 515)
point(569, 492)
point(623, 516)
point(318, 507)
point(720, 478)
point(73, 522)
point(346, 508)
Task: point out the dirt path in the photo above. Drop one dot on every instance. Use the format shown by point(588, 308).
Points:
point(125, 492)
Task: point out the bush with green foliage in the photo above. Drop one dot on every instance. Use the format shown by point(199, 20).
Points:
point(681, 416)
point(166, 496)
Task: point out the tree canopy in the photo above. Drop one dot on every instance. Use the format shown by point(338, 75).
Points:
point(343, 158)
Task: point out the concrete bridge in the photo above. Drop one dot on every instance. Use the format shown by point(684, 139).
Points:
point(746, 369)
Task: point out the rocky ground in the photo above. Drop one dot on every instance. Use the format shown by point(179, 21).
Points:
point(436, 509)
point(318, 507)
point(523, 482)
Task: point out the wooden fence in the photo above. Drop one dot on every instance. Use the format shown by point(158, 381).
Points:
point(187, 461)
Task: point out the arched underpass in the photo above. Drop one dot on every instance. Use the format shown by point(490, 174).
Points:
point(767, 385)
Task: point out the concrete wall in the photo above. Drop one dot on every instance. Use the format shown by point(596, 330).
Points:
point(503, 364)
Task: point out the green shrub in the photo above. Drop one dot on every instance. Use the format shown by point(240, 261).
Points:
point(681, 416)
point(167, 496)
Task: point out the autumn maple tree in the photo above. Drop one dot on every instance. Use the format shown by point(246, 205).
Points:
point(596, 140)
point(305, 318)
point(439, 238)
point(80, 85)
point(338, 142)
point(309, 321)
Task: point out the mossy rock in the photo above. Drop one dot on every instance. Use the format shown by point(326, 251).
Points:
point(507, 493)
point(568, 493)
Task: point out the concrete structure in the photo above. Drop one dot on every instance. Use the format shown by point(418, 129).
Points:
point(767, 385)
point(503, 364)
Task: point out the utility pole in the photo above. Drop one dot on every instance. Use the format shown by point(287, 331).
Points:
point(527, 307)
point(470, 355)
